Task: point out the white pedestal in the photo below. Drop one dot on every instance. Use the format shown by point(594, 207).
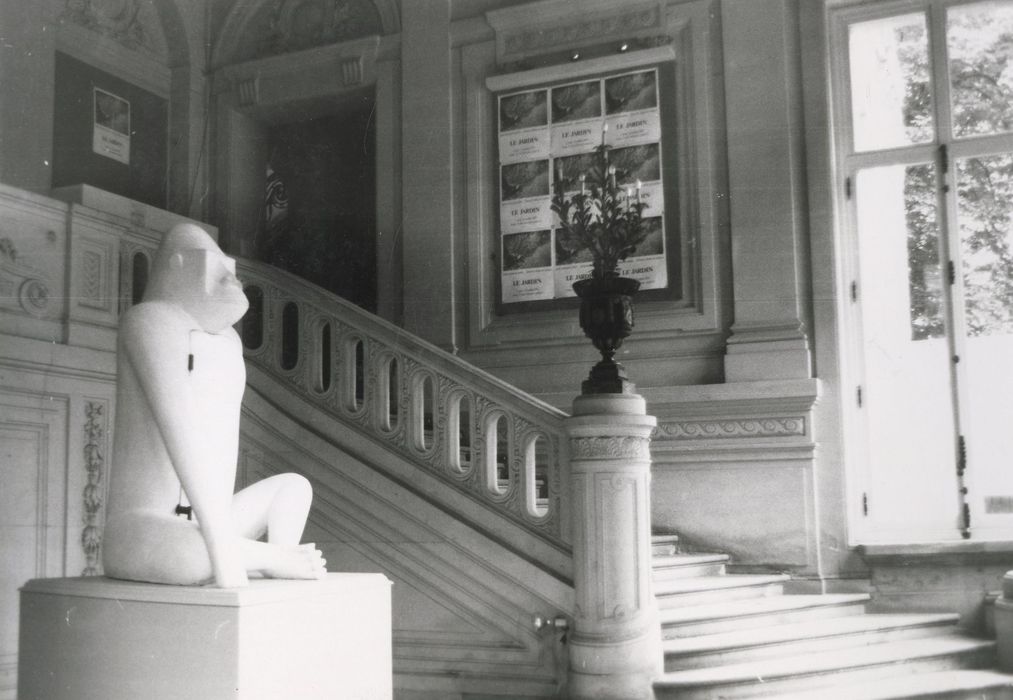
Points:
point(99, 638)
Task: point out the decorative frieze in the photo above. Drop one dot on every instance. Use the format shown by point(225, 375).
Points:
point(283, 26)
point(125, 21)
point(615, 26)
point(612, 447)
point(94, 463)
point(730, 429)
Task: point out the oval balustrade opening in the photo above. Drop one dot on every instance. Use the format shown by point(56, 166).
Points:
point(426, 402)
point(498, 455)
point(356, 373)
point(253, 321)
point(459, 430)
point(324, 357)
point(289, 335)
point(536, 470)
point(390, 388)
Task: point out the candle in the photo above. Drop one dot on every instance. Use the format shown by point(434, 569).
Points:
point(604, 130)
point(612, 175)
point(582, 183)
point(638, 191)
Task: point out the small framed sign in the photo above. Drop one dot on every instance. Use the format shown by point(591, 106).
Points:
point(111, 131)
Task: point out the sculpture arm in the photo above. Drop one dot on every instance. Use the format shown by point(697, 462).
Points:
point(155, 339)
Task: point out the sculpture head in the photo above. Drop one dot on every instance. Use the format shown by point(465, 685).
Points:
point(190, 270)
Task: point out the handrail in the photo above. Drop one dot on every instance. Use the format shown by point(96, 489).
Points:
point(478, 434)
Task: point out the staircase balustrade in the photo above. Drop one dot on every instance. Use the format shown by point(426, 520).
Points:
point(475, 432)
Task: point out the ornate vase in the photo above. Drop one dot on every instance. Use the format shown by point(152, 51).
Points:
point(606, 317)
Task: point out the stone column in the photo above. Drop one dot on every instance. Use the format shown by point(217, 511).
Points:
point(615, 642)
point(1004, 623)
point(767, 194)
point(428, 124)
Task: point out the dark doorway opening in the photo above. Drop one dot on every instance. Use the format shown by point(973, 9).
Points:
point(320, 206)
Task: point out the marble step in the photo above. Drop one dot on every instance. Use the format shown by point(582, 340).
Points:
point(709, 589)
point(686, 565)
point(833, 669)
point(941, 685)
point(728, 616)
point(664, 545)
point(801, 637)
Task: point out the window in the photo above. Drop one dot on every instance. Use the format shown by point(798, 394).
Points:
point(924, 92)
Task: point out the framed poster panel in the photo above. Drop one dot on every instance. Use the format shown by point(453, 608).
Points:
point(548, 134)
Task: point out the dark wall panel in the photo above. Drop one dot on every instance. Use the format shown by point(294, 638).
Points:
point(74, 162)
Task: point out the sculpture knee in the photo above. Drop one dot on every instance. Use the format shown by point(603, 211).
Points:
point(297, 487)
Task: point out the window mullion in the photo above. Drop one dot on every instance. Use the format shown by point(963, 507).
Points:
point(950, 234)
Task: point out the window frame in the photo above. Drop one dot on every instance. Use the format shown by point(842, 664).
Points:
point(945, 149)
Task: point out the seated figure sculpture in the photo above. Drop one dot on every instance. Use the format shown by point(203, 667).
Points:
point(180, 382)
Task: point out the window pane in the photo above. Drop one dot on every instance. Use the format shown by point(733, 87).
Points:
point(891, 93)
point(985, 215)
point(985, 212)
point(980, 41)
point(907, 400)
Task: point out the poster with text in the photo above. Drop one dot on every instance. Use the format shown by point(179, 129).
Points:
point(523, 126)
point(527, 266)
point(111, 130)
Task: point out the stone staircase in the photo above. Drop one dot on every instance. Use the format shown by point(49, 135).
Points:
point(738, 636)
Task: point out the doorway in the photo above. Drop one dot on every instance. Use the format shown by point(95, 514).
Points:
point(320, 200)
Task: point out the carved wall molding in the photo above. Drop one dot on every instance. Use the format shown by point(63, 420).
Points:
point(132, 24)
point(551, 26)
point(612, 447)
point(586, 32)
point(739, 428)
point(22, 282)
point(94, 463)
point(284, 26)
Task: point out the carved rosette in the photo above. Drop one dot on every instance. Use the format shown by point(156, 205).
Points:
point(94, 463)
point(610, 447)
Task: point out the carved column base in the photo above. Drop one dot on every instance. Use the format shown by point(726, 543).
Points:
point(615, 642)
point(1004, 623)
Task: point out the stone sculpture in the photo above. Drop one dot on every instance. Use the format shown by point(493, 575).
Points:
point(180, 382)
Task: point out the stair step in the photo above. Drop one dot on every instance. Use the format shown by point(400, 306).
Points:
point(828, 668)
point(802, 637)
point(941, 685)
point(686, 565)
point(709, 589)
point(662, 545)
point(745, 614)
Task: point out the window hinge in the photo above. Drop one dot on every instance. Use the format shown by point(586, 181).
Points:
point(847, 187)
point(865, 504)
point(858, 395)
point(944, 166)
point(961, 455)
point(854, 291)
point(951, 272)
